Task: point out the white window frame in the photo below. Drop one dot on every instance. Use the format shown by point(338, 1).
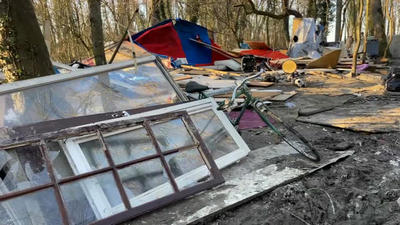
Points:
point(96, 195)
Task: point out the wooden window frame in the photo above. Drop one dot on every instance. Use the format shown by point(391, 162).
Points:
point(130, 212)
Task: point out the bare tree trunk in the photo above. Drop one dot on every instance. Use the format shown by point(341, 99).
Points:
point(357, 30)
point(339, 7)
point(344, 17)
point(160, 10)
point(366, 31)
point(376, 24)
point(312, 9)
point(391, 22)
point(192, 10)
point(96, 27)
point(23, 51)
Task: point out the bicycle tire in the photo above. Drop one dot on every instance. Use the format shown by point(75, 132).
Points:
point(303, 146)
point(293, 138)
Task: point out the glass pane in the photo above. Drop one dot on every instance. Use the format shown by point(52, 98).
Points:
point(182, 164)
point(58, 159)
point(91, 199)
point(107, 92)
point(21, 168)
point(217, 139)
point(31, 209)
point(94, 154)
point(172, 134)
point(129, 145)
point(145, 182)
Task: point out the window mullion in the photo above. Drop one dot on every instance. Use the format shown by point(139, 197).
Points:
point(56, 186)
point(117, 179)
point(163, 161)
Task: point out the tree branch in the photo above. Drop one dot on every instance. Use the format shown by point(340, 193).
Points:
point(286, 12)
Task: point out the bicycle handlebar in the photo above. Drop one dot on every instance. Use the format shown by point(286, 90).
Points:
point(244, 81)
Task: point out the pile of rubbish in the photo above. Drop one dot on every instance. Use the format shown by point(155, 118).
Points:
point(120, 140)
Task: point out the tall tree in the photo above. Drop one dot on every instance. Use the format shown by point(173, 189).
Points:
point(357, 31)
point(339, 7)
point(160, 10)
point(376, 24)
point(192, 10)
point(23, 51)
point(96, 27)
point(391, 25)
point(367, 10)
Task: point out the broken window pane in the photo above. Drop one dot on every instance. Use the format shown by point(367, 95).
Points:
point(107, 92)
point(182, 164)
point(91, 199)
point(129, 145)
point(146, 181)
point(31, 209)
point(94, 154)
point(172, 134)
point(58, 159)
point(21, 168)
point(217, 139)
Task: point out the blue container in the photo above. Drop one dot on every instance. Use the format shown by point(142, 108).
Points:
point(372, 47)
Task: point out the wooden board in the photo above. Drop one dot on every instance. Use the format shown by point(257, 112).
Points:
point(284, 96)
point(218, 72)
point(209, 82)
point(373, 117)
point(329, 60)
point(184, 77)
point(261, 94)
point(259, 84)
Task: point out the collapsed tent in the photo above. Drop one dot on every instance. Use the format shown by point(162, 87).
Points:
point(177, 39)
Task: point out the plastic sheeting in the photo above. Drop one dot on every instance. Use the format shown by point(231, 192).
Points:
point(306, 39)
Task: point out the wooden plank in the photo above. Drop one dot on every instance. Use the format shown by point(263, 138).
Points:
point(284, 96)
point(211, 70)
point(262, 94)
point(209, 82)
point(184, 77)
point(265, 94)
point(259, 84)
point(329, 60)
point(367, 117)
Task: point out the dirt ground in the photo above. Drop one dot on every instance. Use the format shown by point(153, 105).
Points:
point(362, 189)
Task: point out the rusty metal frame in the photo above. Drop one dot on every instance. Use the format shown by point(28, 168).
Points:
point(130, 212)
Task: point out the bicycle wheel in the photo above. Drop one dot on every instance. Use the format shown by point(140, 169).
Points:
point(289, 135)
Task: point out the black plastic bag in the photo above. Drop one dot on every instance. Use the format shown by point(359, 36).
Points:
point(393, 81)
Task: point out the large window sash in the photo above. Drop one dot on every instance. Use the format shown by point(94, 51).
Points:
point(96, 195)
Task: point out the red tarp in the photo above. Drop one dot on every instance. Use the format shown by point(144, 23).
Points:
point(164, 40)
point(264, 53)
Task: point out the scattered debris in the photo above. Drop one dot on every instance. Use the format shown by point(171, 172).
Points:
point(164, 133)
